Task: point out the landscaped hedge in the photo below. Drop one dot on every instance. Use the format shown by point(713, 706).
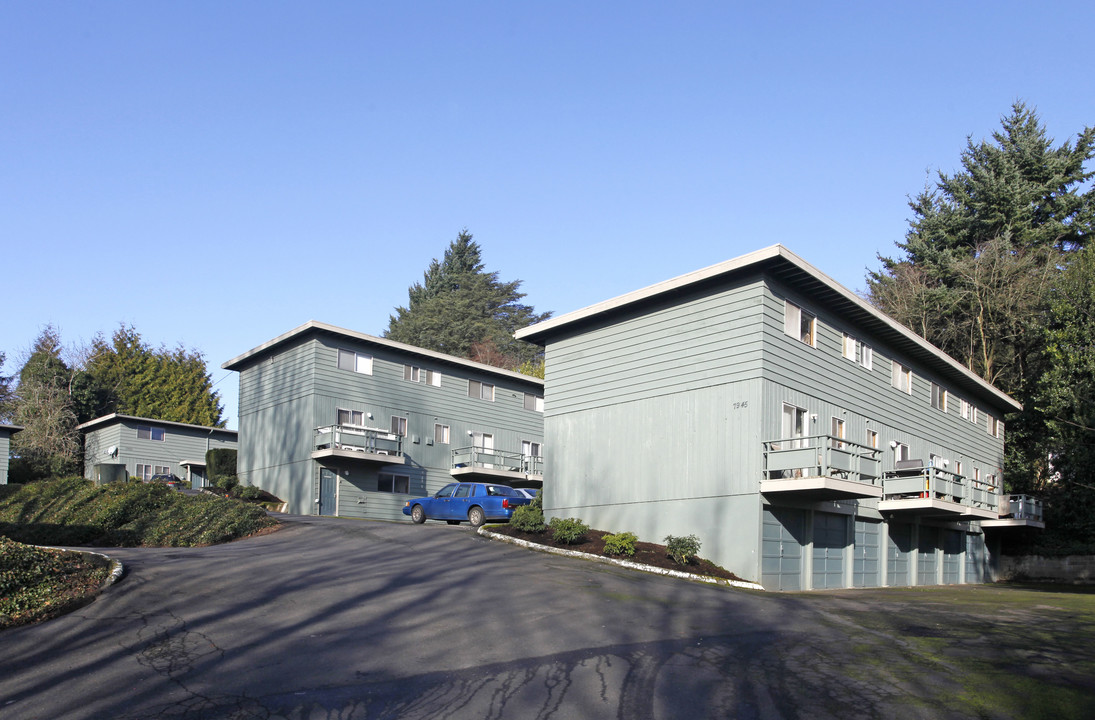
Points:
point(73, 511)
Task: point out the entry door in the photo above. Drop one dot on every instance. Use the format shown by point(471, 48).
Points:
point(952, 556)
point(865, 565)
point(830, 538)
point(975, 558)
point(782, 540)
point(794, 425)
point(484, 442)
point(328, 484)
point(898, 551)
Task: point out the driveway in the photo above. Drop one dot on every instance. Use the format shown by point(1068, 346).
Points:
point(332, 618)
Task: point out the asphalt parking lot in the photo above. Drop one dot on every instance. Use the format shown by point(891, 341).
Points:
point(331, 618)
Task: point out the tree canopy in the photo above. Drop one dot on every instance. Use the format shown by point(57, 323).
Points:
point(993, 272)
point(461, 309)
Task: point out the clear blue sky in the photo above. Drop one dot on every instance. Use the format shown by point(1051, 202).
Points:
point(217, 173)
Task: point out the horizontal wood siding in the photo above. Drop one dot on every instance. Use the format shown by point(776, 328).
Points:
point(179, 444)
point(698, 341)
point(821, 380)
point(5, 453)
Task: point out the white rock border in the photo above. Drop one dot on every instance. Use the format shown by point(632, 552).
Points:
point(621, 563)
point(116, 566)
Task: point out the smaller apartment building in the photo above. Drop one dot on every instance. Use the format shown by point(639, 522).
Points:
point(145, 447)
point(6, 431)
point(337, 422)
point(806, 438)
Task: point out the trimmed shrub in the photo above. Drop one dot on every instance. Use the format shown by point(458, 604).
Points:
point(220, 464)
point(569, 531)
point(620, 544)
point(682, 549)
point(529, 518)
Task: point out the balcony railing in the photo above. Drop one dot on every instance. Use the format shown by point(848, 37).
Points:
point(372, 441)
point(822, 456)
point(1024, 507)
point(477, 458)
point(921, 488)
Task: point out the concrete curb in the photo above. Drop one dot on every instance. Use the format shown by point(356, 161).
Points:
point(117, 569)
point(621, 563)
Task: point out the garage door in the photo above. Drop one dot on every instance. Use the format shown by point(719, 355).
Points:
point(926, 566)
point(830, 539)
point(952, 556)
point(866, 564)
point(783, 535)
point(976, 558)
point(898, 554)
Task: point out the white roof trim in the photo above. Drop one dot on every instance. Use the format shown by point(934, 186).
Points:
point(105, 419)
point(742, 262)
point(235, 362)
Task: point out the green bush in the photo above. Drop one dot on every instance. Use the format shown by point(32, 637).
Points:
point(620, 544)
point(682, 549)
point(220, 464)
point(529, 518)
point(569, 531)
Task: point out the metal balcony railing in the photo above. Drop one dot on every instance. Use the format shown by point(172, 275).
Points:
point(822, 456)
point(362, 439)
point(490, 459)
point(914, 479)
point(1023, 507)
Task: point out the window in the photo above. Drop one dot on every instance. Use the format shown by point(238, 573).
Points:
point(958, 468)
point(900, 452)
point(412, 373)
point(866, 356)
point(355, 361)
point(145, 472)
point(433, 378)
point(996, 428)
point(532, 449)
point(463, 491)
point(351, 417)
point(399, 426)
point(144, 432)
point(441, 434)
point(901, 377)
point(872, 439)
point(939, 397)
point(965, 409)
point(534, 402)
point(849, 347)
point(390, 483)
point(483, 441)
point(799, 324)
point(838, 431)
point(977, 474)
point(481, 390)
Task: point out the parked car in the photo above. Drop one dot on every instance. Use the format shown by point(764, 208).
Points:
point(474, 502)
point(530, 493)
point(170, 480)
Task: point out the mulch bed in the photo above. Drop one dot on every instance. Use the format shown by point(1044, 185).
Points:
point(645, 553)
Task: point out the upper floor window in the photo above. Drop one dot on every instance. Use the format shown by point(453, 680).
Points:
point(837, 431)
point(481, 390)
point(996, 428)
point(901, 377)
point(146, 432)
point(799, 324)
point(858, 352)
point(355, 361)
point(351, 417)
point(412, 373)
point(939, 397)
point(532, 449)
point(441, 434)
point(900, 452)
point(872, 438)
point(534, 402)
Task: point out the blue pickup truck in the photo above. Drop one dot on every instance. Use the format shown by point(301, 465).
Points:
point(475, 502)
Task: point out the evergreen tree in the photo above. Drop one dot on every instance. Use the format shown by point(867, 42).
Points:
point(462, 310)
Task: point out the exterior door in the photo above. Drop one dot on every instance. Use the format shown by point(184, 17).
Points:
point(926, 565)
point(328, 492)
point(794, 425)
point(898, 552)
point(830, 538)
point(865, 564)
point(484, 445)
point(975, 558)
point(782, 539)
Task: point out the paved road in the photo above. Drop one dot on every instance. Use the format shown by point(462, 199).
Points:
point(351, 620)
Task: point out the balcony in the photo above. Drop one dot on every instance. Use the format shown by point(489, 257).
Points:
point(370, 445)
point(918, 489)
point(1018, 511)
point(821, 467)
point(514, 468)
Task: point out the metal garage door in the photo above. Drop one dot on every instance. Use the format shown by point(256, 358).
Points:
point(830, 539)
point(952, 556)
point(783, 533)
point(975, 558)
point(926, 565)
point(898, 551)
point(866, 565)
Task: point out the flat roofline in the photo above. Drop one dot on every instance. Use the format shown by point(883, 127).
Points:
point(772, 258)
point(240, 361)
point(118, 417)
point(11, 428)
